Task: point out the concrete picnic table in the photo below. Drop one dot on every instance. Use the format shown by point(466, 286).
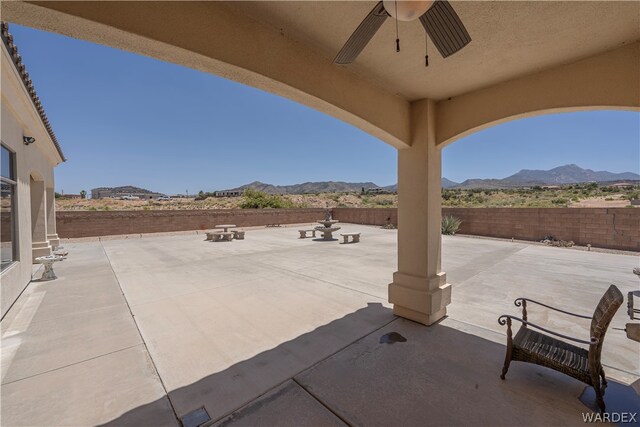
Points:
point(225, 227)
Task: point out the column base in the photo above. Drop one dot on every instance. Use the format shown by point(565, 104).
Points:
point(39, 249)
point(423, 300)
point(54, 241)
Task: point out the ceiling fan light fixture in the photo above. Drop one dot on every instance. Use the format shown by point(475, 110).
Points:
point(407, 10)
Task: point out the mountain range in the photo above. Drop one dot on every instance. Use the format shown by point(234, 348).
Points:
point(308, 187)
point(567, 174)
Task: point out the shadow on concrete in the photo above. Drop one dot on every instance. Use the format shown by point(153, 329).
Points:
point(438, 374)
point(223, 392)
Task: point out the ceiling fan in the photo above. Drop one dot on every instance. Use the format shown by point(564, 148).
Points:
point(440, 21)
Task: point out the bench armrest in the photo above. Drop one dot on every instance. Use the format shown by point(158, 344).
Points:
point(522, 302)
point(505, 319)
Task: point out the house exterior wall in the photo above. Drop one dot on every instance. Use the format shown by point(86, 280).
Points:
point(19, 118)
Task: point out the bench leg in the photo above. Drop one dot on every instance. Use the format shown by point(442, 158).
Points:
point(48, 273)
point(356, 239)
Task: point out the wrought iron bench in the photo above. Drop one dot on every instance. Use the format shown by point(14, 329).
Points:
point(542, 349)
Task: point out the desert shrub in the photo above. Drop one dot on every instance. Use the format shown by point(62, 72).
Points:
point(559, 201)
point(385, 202)
point(450, 224)
point(608, 199)
point(253, 199)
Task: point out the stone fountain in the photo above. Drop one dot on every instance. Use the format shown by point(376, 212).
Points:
point(327, 228)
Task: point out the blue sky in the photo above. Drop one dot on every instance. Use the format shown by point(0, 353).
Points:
point(127, 119)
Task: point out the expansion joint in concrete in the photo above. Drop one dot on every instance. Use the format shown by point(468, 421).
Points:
point(135, 322)
point(325, 405)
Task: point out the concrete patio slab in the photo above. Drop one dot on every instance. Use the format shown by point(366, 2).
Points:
point(90, 393)
point(86, 283)
point(286, 405)
point(223, 347)
point(228, 325)
point(569, 279)
point(47, 345)
point(442, 375)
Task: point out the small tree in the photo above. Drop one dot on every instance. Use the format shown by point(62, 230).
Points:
point(83, 194)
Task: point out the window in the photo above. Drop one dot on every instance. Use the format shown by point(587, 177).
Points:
point(7, 209)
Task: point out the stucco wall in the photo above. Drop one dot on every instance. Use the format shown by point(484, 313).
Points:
point(72, 224)
point(615, 228)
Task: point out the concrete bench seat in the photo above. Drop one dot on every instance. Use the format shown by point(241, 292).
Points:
point(303, 233)
point(355, 237)
point(222, 235)
point(238, 234)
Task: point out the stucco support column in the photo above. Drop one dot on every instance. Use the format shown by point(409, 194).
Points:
point(39, 243)
point(420, 291)
point(52, 236)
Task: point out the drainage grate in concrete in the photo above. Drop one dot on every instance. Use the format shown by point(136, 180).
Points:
point(195, 418)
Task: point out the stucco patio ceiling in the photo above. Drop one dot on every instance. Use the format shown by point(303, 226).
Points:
point(524, 57)
point(510, 39)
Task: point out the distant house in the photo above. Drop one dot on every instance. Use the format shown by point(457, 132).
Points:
point(374, 190)
point(126, 191)
point(228, 193)
point(550, 187)
point(621, 185)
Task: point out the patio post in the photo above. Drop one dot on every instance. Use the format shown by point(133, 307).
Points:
point(419, 291)
point(39, 243)
point(52, 235)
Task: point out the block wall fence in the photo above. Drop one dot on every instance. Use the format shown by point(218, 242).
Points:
point(72, 224)
point(614, 228)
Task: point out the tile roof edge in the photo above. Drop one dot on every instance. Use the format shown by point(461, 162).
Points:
point(7, 39)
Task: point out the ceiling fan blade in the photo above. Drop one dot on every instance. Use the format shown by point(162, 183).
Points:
point(444, 27)
point(362, 35)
